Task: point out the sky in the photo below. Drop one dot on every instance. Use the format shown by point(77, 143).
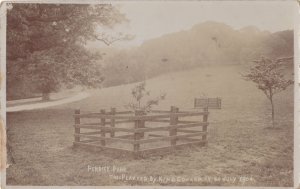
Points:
point(151, 19)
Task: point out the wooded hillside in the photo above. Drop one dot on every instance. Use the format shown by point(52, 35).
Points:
point(208, 43)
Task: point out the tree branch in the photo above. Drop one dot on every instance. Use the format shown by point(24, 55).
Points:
point(110, 40)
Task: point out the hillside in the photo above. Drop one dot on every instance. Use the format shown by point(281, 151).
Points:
point(207, 43)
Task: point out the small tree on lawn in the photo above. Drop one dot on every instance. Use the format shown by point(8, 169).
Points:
point(269, 77)
point(139, 93)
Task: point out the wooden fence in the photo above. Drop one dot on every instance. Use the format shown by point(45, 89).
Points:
point(128, 131)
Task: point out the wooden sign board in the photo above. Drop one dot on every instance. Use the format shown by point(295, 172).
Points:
point(211, 103)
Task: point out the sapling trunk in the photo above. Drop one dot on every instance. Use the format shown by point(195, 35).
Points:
point(273, 113)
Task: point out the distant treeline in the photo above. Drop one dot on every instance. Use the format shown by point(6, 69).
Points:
point(209, 43)
point(205, 44)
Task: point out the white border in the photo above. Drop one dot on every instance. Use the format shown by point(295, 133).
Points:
point(3, 84)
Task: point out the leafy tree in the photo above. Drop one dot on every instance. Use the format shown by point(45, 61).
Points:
point(46, 44)
point(139, 93)
point(269, 76)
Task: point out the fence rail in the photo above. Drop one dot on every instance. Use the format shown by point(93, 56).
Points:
point(141, 128)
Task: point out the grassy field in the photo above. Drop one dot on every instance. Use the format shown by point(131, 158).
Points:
point(242, 148)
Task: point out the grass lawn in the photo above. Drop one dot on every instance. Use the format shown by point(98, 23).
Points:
point(242, 150)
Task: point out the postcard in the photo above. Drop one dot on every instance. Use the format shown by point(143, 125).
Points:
point(149, 94)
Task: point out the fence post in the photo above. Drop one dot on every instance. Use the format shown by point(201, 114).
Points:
point(137, 136)
point(204, 127)
point(103, 131)
point(112, 122)
point(141, 123)
point(173, 121)
point(77, 122)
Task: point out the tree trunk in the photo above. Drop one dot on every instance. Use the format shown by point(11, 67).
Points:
point(273, 114)
point(46, 97)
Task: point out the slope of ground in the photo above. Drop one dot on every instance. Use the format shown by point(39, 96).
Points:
point(242, 150)
point(38, 104)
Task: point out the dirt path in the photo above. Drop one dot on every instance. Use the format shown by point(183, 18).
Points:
point(40, 105)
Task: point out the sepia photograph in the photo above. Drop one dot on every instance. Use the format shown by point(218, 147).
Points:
point(150, 93)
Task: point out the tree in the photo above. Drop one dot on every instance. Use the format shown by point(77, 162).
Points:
point(46, 44)
point(270, 79)
point(139, 93)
